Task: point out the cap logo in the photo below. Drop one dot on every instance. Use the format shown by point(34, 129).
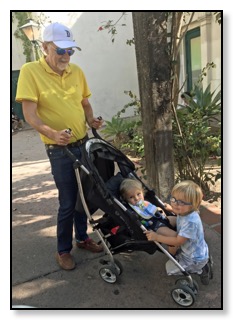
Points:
point(67, 33)
point(61, 35)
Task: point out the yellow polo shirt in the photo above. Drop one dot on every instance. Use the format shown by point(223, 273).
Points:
point(58, 97)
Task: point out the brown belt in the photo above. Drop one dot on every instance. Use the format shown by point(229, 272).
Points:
point(70, 145)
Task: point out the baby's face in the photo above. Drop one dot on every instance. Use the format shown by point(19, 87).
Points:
point(134, 195)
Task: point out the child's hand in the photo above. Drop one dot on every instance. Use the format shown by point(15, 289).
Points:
point(162, 213)
point(168, 207)
point(151, 235)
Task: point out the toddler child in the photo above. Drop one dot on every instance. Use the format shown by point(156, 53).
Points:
point(193, 252)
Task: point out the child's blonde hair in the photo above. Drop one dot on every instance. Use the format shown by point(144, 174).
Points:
point(190, 191)
point(128, 184)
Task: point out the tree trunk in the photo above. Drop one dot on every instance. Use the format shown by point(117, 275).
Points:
point(153, 63)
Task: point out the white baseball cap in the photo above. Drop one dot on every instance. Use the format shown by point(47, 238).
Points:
point(60, 35)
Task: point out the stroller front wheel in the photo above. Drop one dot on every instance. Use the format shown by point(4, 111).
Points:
point(118, 266)
point(108, 274)
point(185, 282)
point(183, 295)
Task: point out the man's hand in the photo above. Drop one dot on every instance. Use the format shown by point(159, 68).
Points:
point(62, 137)
point(96, 123)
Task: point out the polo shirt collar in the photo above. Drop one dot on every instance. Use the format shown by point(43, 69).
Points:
point(47, 68)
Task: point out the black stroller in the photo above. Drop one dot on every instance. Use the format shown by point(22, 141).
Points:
point(99, 175)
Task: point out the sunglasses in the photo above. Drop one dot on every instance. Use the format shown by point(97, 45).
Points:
point(179, 202)
point(61, 51)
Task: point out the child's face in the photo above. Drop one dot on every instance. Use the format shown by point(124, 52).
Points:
point(133, 195)
point(179, 205)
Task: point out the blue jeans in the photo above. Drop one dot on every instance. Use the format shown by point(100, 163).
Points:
point(65, 180)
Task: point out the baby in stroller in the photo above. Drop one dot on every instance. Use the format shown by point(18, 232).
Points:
point(152, 217)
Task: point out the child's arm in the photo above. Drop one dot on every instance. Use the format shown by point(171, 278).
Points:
point(172, 241)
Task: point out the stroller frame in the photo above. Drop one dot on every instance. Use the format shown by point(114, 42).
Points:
point(186, 288)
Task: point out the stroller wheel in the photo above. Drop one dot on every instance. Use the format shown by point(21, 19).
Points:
point(211, 263)
point(183, 295)
point(185, 282)
point(108, 274)
point(118, 266)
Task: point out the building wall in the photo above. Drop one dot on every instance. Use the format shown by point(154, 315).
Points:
point(210, 33)
point(110, 67)
point(18, 58)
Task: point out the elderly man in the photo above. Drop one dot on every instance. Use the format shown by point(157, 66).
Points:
point(54, 96)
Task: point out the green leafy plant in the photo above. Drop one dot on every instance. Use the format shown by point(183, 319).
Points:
point(27, 45)
point(218, 16)
point(195, 138)
point(127, 132)
point(111, 26)
point(198, 141)
point(114, 128)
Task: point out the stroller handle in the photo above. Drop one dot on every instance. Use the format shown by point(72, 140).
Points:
point(94, 131)
point(77, 163)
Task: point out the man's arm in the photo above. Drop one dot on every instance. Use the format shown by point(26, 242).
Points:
point(30, 114)
point(92, 122)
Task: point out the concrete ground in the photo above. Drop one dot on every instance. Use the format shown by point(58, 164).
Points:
point(38, 281)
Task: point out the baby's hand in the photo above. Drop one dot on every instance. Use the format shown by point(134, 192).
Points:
point(151, 235)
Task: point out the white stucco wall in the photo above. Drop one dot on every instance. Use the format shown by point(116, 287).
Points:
point(110, 68)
